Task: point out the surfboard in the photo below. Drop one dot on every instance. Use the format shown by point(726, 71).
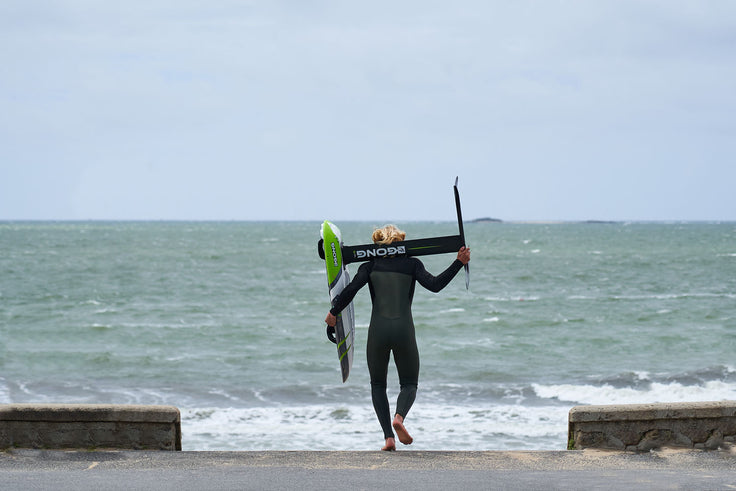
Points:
point(337, 279)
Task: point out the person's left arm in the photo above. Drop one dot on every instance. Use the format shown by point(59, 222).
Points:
point(437, 283)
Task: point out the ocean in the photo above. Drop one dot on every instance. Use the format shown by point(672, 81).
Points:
point(224, 320)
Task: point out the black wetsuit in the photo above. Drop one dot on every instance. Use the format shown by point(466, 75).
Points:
point(391, 282)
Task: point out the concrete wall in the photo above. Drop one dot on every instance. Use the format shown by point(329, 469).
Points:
point(642, 427)
point(85, 426)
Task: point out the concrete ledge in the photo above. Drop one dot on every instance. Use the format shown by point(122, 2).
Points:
point(643, 427)
point(85, 426)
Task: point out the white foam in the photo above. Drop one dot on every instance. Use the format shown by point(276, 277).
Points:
point(642, 375)
point(452, 310)
point(655, 392)
point(351, 427)
point(222, 393)
point(447, 423)
point(673, 296)
point(105, 311)
point(512, 299)
point(4, 392)
point(282, 428)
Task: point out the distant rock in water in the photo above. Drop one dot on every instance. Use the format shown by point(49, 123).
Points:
point(600, 221)
point(487, 220)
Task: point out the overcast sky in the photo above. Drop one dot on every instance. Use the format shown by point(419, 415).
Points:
point(306, 110)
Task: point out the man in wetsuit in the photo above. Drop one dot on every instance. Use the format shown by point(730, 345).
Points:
point(391, 281)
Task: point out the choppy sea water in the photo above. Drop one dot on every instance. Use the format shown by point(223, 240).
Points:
point(225, 321)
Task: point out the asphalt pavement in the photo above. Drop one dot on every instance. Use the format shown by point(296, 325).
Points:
point(406, 470)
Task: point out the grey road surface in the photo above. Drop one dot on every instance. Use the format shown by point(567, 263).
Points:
point(568, 470)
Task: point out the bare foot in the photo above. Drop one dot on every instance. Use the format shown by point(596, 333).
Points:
point(390, 445)
point(404, 436)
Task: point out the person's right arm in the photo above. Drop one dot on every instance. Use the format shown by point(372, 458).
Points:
point(346, 296)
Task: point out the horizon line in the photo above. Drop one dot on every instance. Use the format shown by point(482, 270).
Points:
point(483, 220)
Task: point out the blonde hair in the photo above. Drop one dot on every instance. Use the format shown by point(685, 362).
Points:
point(388, 234)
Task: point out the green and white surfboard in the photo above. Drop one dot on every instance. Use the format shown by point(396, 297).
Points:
point(337, 279)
